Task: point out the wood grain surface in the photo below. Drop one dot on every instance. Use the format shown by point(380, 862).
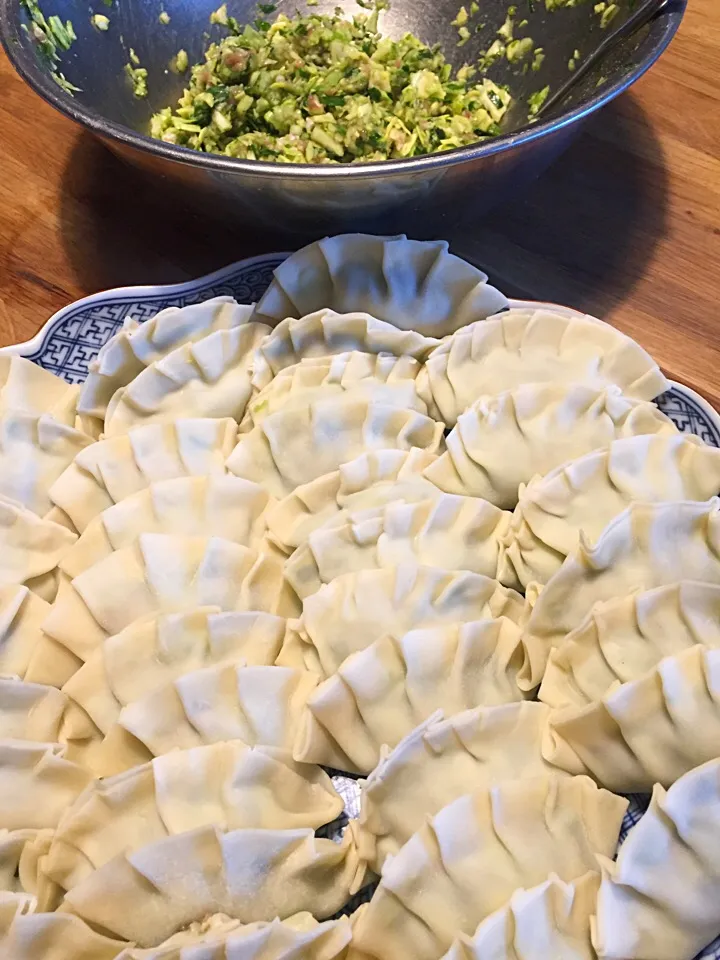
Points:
point(626, 225)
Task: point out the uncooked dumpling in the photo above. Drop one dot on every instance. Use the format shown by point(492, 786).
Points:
point(251, 875)
point(370, 480)
point(34, 711)
point(30, 547)
point(381, 694)
point(37, 783)
point(207, 506)
point(586, 494)
point(137, 345)
point(325, 333)
point(298, 938)
point(111, 470)
point(353, 611)
point(210, 378)
point(524, 346)
point(504, 440)
point(382, 377)
point(51, 936)
point(660, 900)
point(413, 284)
point(161, 573)
point(650, 730)
point(442, 760)
point(622, 638)
point(458, 533)
point(34, 451)
point(551, 920)
point(648, 545)
point(228, 784)
point(153, 652)
point(298, 444)
point(258, 705)
point(25, 651)
point(21, 855)
point(25, 387)
point(468, 860)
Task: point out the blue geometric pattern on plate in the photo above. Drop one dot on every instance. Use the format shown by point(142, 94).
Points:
point(81, 329)
point(74, 337)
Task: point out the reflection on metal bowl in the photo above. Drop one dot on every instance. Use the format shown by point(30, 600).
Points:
point(425, 196)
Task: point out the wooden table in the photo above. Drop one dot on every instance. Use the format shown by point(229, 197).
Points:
point(625, 226)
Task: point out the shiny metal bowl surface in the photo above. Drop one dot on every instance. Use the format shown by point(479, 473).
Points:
point(425, 196)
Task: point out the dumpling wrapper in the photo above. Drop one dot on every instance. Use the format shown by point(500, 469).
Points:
point(370, 480)
point(298, 938)
point(300, 443)
point(444, 759)
point(504, 440)
point(324, 333)
point(137, 345)
point(228, 784)
point(646, 546)
point(622, 638)
point(257, 705)
point(348, 614)
point(161, 573)
point(587, 493)
point(206, 506)
point(550, 920)
point(379, 695)
point(34, 711)
point(25, 650)
point(365, 376)
point(659, 901)
point(151, 653)
point(251, 875)
point(22, 854)
point(34, 451)
point(59, 936)
point(37, 783)
point(524, 346)
point(26, 387)
point(458, 533)
point(30, 547)
point(210, 378)
point(650, 730)
point(113, 469)
point(470, 858)
point(412, 284)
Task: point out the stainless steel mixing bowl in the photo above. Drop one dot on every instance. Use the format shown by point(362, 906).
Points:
point(425, 196)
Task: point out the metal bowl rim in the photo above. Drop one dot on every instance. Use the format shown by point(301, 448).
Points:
point(45, 87)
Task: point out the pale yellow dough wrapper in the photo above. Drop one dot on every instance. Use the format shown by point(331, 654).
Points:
point(469, 859)
point(113, 469)
point(660, 899)
point(228, 784)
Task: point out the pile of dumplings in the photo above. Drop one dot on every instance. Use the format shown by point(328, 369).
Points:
point(376, 534)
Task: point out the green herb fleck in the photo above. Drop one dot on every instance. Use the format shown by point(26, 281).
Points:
point(137, 76)
point(461, 19)
point(609, 14)
point(519, 49)
point(164, 18)
point(536, 100)
point(180, 62)
point(538, 59)
point(100, 21)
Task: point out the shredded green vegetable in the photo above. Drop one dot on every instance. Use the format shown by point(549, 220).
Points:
point(328, 89)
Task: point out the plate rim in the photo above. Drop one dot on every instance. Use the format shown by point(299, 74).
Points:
point(138, 291)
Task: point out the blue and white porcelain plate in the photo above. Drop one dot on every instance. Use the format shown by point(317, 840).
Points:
point(72, 338)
